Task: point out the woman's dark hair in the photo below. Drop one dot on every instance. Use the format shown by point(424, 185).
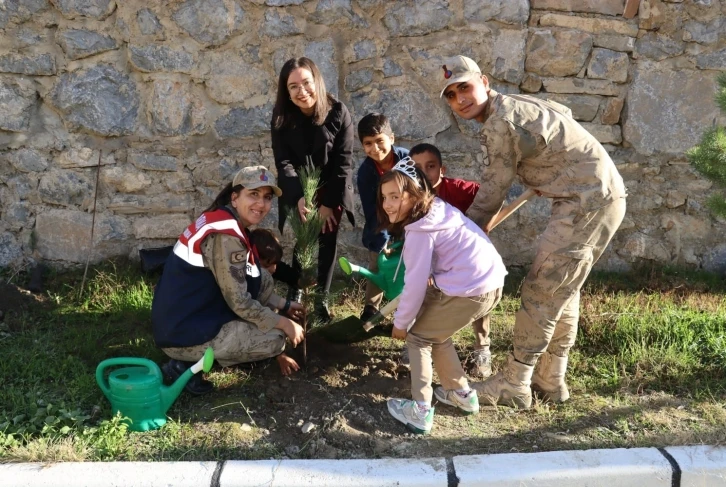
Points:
point(224, 197)
point(282, 113)
point(423, 195)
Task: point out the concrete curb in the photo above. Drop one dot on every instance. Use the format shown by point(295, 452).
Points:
point(636, 467)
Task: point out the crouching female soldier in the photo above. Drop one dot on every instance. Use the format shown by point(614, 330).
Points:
point(213, 292)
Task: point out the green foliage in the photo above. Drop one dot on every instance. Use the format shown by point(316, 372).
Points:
point(709, 157)
point(306, 232)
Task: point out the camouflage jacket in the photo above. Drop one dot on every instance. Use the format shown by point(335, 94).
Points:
point(226, 257)
point(540, 142)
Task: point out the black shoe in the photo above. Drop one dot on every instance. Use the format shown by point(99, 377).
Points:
point(368, 312)
point(322, 312)
point(197, 385)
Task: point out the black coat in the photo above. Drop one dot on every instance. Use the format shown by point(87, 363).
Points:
point(331, 150)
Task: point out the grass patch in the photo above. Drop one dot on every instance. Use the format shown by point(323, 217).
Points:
point(648, 369)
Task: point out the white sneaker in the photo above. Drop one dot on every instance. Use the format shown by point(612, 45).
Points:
point(469, 404)
point(408, 412)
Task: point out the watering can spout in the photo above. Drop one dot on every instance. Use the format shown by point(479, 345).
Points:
point(349, 268)
point(170, 393)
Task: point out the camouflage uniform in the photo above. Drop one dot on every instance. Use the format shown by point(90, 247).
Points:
point(252, 337)
point(540, 142)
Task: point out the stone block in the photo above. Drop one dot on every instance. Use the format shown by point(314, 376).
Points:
point(147, 161)
point(672, 127)
point(657, 47)
point(584, 107)
point(508, 54)
point(244, 122)
point(167, 226)
point(605, 7)
point(651, 14)
point(82, 157)
point(358, 79)
point(100, 99)
point(232, 79)
point(505, 11)
point(17, 102)
point(209, 22)
point(283, 3)
point(19, 215)
point(24, 187)
point(638, 246)
point(675, 198)
point(19, 11)
point(151, 58)
point(130, 204)
point(704, 10)
point(323, 55)
point(178, 182)
point(337, 12)
point(558, 53)
point(611, 110)
point(27, 36)
point(703, 33)
point(36, 65)
point(365, 49)
point(213, 173)
point(605, 134)
point(592, 25)
point(417, 19)
point(95, 9)
point(531, 83)
point(65, 188)
point(278, 23)
point(391, 68)
point(28, 160)
point(80, 43)
point(712, 60)
point(580, 86)
point(10, 251)
point(413, 113)
point(173, 109)
point(148, 23)
point(607, 64)
point(64, 235)
point(125, 179)
point(614, 42)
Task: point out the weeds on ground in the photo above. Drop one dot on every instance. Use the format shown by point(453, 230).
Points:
point(648, 369)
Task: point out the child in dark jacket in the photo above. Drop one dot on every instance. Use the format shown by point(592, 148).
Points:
point(459, 193)
point(270, 251)
point(376, 137)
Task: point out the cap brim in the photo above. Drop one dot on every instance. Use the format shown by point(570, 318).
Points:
point(262, 184)
point(458, 79)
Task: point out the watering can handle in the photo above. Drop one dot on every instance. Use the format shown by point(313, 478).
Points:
point(103, 382)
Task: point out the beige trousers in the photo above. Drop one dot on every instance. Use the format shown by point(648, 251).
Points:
point(429, 340)
point(570, 245)
point(237, 342)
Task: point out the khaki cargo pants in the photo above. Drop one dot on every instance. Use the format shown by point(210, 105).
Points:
point(570, 245)
point(237, 342)
point(430, 339)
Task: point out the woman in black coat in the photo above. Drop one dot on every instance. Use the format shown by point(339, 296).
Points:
point(310, 125)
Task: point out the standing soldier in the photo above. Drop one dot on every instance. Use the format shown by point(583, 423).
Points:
point(540, 142)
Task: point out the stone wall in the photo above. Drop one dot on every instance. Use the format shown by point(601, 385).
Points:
point(176, 95)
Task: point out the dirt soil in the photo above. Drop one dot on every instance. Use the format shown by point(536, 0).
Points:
point(342, 392)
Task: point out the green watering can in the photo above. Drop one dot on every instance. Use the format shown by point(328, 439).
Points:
point(138, 392)
point(387, 265)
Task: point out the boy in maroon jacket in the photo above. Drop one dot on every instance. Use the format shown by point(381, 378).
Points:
point(459, 193)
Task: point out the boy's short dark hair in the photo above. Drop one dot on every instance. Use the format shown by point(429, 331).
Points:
point(373, 124)
point(421, 148)
point(268, 246)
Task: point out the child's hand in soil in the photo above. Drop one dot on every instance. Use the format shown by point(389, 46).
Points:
point(296, 311)
point(293, 331)
point(287, 364)
point(398, 334)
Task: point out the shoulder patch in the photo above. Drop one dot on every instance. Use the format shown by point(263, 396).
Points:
point(237, 257)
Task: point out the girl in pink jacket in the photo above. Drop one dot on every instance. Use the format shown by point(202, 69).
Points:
point(467, 276)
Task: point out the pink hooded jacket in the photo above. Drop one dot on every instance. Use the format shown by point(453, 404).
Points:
point(447, 245)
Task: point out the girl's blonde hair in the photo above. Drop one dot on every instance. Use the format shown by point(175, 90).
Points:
point(421, 193)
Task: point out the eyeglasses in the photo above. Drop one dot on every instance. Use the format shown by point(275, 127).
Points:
point(308, 85)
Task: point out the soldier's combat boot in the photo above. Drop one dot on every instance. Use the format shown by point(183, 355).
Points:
point(549, 378)
point(508, 387)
